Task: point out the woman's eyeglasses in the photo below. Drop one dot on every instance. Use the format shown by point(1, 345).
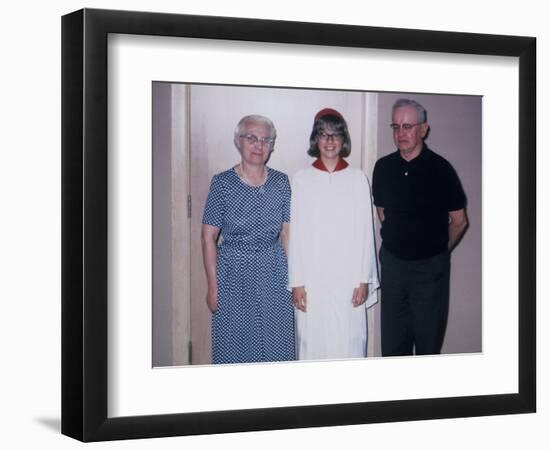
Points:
point(324, 136)
point(253, 140)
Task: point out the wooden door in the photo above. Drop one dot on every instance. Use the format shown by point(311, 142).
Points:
point(214, 113)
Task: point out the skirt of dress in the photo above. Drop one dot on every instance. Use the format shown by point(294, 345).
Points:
point(255, 317)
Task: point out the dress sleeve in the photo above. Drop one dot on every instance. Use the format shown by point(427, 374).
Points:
point(367, 246)
point(214, 209)
point(296, 276)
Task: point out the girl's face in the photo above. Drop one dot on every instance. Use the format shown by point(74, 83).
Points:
point(329, 143)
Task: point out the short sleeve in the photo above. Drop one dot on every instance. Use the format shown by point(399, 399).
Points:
point(286, 199)
point(214, 210)
point(377, 188)
point(456, 199)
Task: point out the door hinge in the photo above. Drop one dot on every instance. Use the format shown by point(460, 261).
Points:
point(190, 352)
point(189, 206)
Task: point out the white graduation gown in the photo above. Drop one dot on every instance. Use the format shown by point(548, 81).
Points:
point(332, 251)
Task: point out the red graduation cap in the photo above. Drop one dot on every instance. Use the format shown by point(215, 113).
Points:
point(326, 112)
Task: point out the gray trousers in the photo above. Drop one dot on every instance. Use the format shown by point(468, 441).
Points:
point(414, 304)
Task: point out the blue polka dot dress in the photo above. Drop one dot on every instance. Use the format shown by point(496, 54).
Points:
point(255, 317)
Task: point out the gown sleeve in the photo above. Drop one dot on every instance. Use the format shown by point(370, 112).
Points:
point(367, 246)
point(296, 276)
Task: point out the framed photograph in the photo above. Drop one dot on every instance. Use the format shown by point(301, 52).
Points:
point(187, 152)
point(150, 105)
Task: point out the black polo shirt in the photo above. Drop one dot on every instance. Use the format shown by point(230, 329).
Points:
point(417, 196)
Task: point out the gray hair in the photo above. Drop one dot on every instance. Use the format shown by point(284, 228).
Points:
point(421, 113)
point(254, 118)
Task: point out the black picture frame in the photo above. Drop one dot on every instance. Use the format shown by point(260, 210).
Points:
point(84, 224)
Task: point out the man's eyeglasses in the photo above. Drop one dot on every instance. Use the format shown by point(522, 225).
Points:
point(327, 136)
point(405, 126)
point(253, 140)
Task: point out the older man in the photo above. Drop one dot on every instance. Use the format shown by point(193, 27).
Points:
point(421, 205)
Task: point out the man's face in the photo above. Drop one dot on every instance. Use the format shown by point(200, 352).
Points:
point(408, 141)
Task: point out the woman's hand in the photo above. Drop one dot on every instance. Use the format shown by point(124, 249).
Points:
point(299, 298)
point(360, 294)
point(212, 299)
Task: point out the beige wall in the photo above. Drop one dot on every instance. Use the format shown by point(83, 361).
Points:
point(171, 252)
point(162, 231)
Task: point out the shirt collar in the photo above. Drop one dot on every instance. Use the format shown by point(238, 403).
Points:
point(341, 165)
point(421, 156)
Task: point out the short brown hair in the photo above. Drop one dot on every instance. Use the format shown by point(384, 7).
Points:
point(332, 121)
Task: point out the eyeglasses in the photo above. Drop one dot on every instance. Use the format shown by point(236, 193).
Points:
point(327, 136)
point(405, 126)
point(253, 140)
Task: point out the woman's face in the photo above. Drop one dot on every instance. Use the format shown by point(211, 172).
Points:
point(255, 144)
point(329, 143)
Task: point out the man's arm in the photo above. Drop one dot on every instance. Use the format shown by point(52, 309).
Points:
point(380, 212)
point(458, 222)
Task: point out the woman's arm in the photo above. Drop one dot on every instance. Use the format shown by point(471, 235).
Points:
point(209, 236)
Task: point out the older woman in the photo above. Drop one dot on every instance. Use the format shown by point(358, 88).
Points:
point(332, 260)
point(249, 206)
